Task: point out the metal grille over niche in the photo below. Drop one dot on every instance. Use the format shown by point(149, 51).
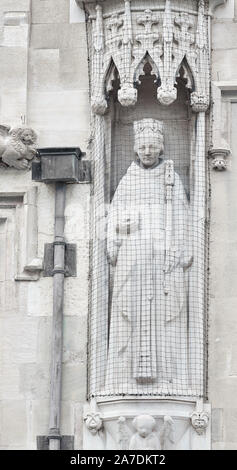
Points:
point(149, 65)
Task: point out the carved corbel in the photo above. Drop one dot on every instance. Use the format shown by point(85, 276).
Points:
point(19, 210)
point(98, 102)
point(167, 93)
point(199, 421)
point(219, 158)
point(200, 97)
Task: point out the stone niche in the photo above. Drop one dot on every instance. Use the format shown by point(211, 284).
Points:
point(149, 63)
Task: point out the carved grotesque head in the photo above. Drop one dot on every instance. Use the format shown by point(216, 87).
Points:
point(148, 141)
point(26, 135)
point(144, 424)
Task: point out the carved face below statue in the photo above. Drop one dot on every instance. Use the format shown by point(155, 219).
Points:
point(147, 248)
point(144, 438)
point(144, 425)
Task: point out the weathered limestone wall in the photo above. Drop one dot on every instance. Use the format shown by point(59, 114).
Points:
point(44, 83)
point(223, 255)
point(44, 86)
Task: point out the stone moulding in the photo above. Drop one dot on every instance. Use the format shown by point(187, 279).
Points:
point(16, 18)
point(21, 210)
point(213, 4)
point(174, 40)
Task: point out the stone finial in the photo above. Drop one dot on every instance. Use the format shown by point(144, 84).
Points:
point(17, 146)
point(127, 95)
point(199, 421)
point(166, 94)
point(219, 158)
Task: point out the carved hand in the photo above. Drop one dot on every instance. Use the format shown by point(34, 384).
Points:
point(177, 258)
point(112, 252)
point(172, 260)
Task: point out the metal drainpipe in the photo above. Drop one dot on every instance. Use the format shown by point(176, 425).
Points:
point(57, 330)
point(60, 165)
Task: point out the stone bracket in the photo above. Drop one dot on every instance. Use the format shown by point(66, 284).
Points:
point(70, 260)
point(67, 443)
point(219, 158)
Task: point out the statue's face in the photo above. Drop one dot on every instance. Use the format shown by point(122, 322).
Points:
point(148, 150)
point(144, 429)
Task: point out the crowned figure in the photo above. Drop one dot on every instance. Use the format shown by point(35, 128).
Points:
point(149, 256)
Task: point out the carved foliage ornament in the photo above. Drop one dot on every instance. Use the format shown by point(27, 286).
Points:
point(128, 39)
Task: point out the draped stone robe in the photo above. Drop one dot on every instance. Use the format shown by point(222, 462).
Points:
point(148, 324)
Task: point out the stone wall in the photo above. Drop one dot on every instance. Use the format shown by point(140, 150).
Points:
point(44, 84)
point(222, 382)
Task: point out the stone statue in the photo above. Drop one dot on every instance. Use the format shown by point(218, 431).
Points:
point(17, 146)
point(148, 435)
point(148, 251)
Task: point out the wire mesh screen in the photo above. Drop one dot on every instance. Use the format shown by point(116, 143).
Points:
point(148, 247)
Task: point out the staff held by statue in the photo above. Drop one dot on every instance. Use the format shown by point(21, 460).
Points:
point(169, 183)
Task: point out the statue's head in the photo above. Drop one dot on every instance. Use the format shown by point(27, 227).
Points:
point(144, 424)
point(148, 141)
